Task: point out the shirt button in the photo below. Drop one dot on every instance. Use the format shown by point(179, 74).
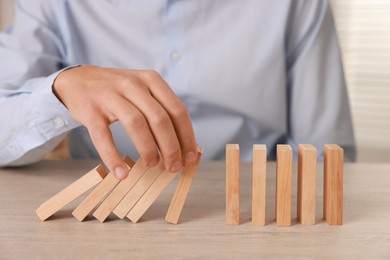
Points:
point(59, 122)
point(175, 55)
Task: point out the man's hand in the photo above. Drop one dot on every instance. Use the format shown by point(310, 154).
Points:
point(153, 116)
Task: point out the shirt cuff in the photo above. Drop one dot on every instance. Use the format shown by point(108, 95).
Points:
point(48, 119)
point(52, 118)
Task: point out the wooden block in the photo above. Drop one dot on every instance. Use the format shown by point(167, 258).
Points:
point(307, 174)
point(333, 184)
point(138, 190)
point(232, 184)
point(259, 184)
point(98, 194)
point(283, 185)
point(151, 195)
point(120, 191)
point(182, 189)
point(71, 192)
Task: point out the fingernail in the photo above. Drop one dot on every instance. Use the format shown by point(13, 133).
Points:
point(120, 173)
point(189, 157)
point(154, 162)
point(176, 166)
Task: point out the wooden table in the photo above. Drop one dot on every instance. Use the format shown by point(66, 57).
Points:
point(202, 232)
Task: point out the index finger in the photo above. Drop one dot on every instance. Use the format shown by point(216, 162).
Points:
point(102, 139)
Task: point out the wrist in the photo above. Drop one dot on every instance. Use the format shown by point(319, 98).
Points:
point(60, 81)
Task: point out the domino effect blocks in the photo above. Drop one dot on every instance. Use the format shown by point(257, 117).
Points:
point(132, 197)
point(306, 197)
point(129, 198)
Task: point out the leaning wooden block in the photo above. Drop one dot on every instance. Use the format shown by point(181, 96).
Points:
point(98, 194)
point(138, 190)
point(307, 173)
point(71, 192)
point(259, 184)
point(151, 195)
point(120, 191)
point(182, 189)
point(232, 184)
point(333, 184)
point(283, 185)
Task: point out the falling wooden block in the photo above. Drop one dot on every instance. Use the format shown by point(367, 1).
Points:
point(151, 195)
point(138, 190)
point(182, 189)
point(120, 191)
point(283, 185)
point(259, 184)
point(98, 194)
point(71, 192)
point(232, 184)
point(333, 184)
point(307, 173)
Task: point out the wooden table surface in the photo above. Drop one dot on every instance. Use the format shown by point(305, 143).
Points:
point(202, 232)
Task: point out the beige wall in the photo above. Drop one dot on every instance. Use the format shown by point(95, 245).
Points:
point(364, 31)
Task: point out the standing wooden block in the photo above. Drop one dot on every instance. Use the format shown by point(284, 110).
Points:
point(307, 173)
point(120, 191)
point(283, 185)
point(138, 190)
point(259, 184)
point(151, 195)
point(232, 184)
point(333, 184)
point(182, 189)
point(71, 192)
point(98, 194)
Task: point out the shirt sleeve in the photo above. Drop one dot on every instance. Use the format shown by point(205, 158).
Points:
point(319, 111)
point(33, 121)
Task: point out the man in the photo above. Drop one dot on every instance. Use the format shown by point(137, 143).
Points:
point(159, 71)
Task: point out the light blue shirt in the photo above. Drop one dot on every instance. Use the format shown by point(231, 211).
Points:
point(249, 72)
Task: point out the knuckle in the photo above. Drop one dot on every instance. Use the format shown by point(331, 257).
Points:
point(152, 75)
point(159, 118)
point(127, 82)
point(135, 120)
point(179, 111)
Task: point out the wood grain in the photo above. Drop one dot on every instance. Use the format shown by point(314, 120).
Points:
point(259, 177)
point(154, 191)
point(283, 185)
point(202, 232)
point(182, 189)
point(138, 190)
point(333, 184)
point(71, 192)
point(306, 197)
point(99, 193)
point(232, 184)
point(120, 191)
